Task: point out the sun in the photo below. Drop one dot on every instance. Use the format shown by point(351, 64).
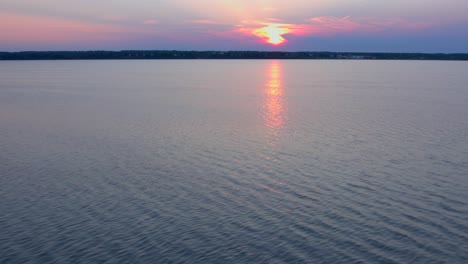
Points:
point(272, 33)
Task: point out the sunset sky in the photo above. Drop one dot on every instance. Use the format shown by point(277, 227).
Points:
point(293, 25)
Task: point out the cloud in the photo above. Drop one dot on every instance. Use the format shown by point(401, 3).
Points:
point(268, 9)
point(269, 32)
point(204, 21)
point(325, 26)
point(20, 28)
point(17, 28)
point(114, 18)
point(150, 22)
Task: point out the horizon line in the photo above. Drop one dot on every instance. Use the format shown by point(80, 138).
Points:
point(260, 51)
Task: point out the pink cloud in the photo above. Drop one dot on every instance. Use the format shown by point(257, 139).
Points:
point(205, 21)
point(22, 28)
point(398, 23)
point(330, 26)
point(115, 18)
point(327, 26)
point(150, 22)
point(337, 25)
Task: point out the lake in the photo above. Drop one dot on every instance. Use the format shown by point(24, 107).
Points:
point(234, 161)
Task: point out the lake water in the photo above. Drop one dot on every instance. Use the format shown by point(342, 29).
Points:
point(234, 161)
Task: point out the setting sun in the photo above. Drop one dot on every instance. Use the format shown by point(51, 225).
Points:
point(272, 33)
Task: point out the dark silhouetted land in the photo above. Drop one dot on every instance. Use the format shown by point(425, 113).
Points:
point(174, 54)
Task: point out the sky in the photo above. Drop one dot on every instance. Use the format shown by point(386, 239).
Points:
point(270, 25)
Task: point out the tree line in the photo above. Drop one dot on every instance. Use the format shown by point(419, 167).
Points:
point(175, 54)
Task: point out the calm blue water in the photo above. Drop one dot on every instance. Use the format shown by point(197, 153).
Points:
point(234, 161)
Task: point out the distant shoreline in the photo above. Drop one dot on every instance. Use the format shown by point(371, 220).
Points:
point(174, 54)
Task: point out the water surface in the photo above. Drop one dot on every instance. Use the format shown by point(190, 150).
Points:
point(236, 161)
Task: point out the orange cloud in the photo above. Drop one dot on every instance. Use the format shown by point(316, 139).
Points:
point(273, 33)
point(270, 32)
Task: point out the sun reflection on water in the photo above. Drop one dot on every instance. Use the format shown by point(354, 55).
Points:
point(274, 106)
